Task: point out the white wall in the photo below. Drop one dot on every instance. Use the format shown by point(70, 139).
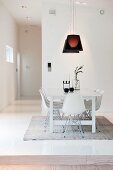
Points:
point(31, 60)
point(8, 36)
point(96, 33)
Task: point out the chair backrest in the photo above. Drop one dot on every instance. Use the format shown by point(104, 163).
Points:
point(45, 101)
point(98, 100)
point(73, 104)
point(57, 104)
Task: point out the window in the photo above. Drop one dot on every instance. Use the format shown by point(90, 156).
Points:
point(9, 54)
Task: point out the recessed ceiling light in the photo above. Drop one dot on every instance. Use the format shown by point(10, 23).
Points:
point(102, 11)
point(52, 11)
point(28, 17)
point(26, 31)
point(23, 6)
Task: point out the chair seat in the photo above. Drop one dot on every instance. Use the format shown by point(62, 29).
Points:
point(73, 108)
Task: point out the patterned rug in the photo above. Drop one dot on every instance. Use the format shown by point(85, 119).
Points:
point(36, 131)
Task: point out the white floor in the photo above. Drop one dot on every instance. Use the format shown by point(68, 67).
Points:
point(14, 121)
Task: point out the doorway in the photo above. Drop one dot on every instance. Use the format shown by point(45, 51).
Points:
point(29, 62)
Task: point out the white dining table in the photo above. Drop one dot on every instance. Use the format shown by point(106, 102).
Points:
point(57, 93)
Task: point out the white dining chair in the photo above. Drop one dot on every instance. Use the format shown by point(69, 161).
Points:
point(73, 108)
point(57, 106)
point(88, 103)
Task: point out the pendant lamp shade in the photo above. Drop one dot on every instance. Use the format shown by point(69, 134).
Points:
point(73, 41)
point(72, 44)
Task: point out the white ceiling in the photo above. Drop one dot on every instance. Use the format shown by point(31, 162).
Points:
point(32, 13)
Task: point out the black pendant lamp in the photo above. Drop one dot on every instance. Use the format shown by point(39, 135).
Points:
point(73, 42)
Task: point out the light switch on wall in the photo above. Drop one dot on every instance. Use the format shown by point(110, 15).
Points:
point(49, 67)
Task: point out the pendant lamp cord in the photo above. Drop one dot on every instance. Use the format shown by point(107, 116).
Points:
point(73, 15)
point(72, 9)
point(69, 1)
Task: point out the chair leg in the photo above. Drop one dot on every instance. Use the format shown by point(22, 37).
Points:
point(97, 126)
point(87, 115)
point(77, 119)
point(65, 127)
point(59, 115)
point(79, 125)
point(46, 122)
point(81, 117)
point(80, 130)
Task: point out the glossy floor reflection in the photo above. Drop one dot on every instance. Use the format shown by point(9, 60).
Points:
point(14, 121)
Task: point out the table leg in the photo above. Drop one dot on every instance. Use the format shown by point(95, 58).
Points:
point(93, 116)
point(51, 116)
